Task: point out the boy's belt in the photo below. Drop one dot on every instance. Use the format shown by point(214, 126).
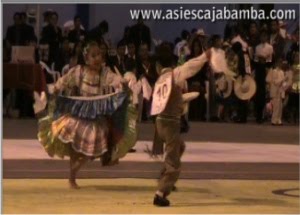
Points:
point(167, 117)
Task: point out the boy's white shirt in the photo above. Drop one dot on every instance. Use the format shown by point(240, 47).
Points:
point(189, 69)
point(179, 76)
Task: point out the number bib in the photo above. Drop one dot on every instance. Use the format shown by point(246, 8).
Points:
point(161, 94)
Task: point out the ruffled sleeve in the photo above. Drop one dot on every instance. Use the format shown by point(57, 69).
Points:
point(69, 80)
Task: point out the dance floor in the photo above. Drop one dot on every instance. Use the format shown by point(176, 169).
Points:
point(227, 168)
point(136, 195)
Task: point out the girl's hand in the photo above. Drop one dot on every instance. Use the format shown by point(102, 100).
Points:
point(51, 89)
point(40, 102)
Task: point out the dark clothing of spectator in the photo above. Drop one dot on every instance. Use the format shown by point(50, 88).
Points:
point(76, 36)
point(62, 58)
point(140, 33)
point(147, 71)
point(14, 35)
point(278, 44)
point(95, 35)
point(253, 41)
point(150, 73)
point(294, 48)
point(119, 63)
point(197, 107)
point(53, 38)
point(260, 95)
point(29, 33)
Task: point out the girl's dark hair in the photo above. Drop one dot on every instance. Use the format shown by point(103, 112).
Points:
point(86, 47)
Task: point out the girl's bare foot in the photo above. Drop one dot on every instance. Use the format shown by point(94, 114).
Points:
point(73, 185)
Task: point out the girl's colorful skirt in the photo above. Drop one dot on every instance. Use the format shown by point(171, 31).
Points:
point(90, 125)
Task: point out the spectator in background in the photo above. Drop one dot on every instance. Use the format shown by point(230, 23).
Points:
point(294, 91)
point(182, 46)
point(197, 107)
point(193, 31)
point(277, 41)
point(252, 38)
point(76, 57)
point(77, 34)
point(146, 64)
point(229, 30)
point(263, 60)
point(294, 47)
point(140, 33)
point(14, 32)
point(127, 34)
point(47, 16)
point(131, 50)
point(52, 35)
point(242, 105)
point(263, 26)
point(146, 67)
point(275, 78)
point(97, 33)
point(107, 61)
point(64, 55)
point(6, 52)
point(130, 65)
point(216, 45)
point(27, 29)
point(119, 59)
point(130, 58)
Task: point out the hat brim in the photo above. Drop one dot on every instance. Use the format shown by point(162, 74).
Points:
point(237, 88)
point(227, 92)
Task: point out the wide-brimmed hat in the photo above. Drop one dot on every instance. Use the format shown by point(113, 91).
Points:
point(244, 87)
point(224, 86)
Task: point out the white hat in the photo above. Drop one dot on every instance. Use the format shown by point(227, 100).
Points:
point(69, 25)
point(244, 88)
point(31, 13)
point(224, 86)
point(200, 32)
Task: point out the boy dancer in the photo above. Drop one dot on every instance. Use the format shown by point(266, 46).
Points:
point(168, 104)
